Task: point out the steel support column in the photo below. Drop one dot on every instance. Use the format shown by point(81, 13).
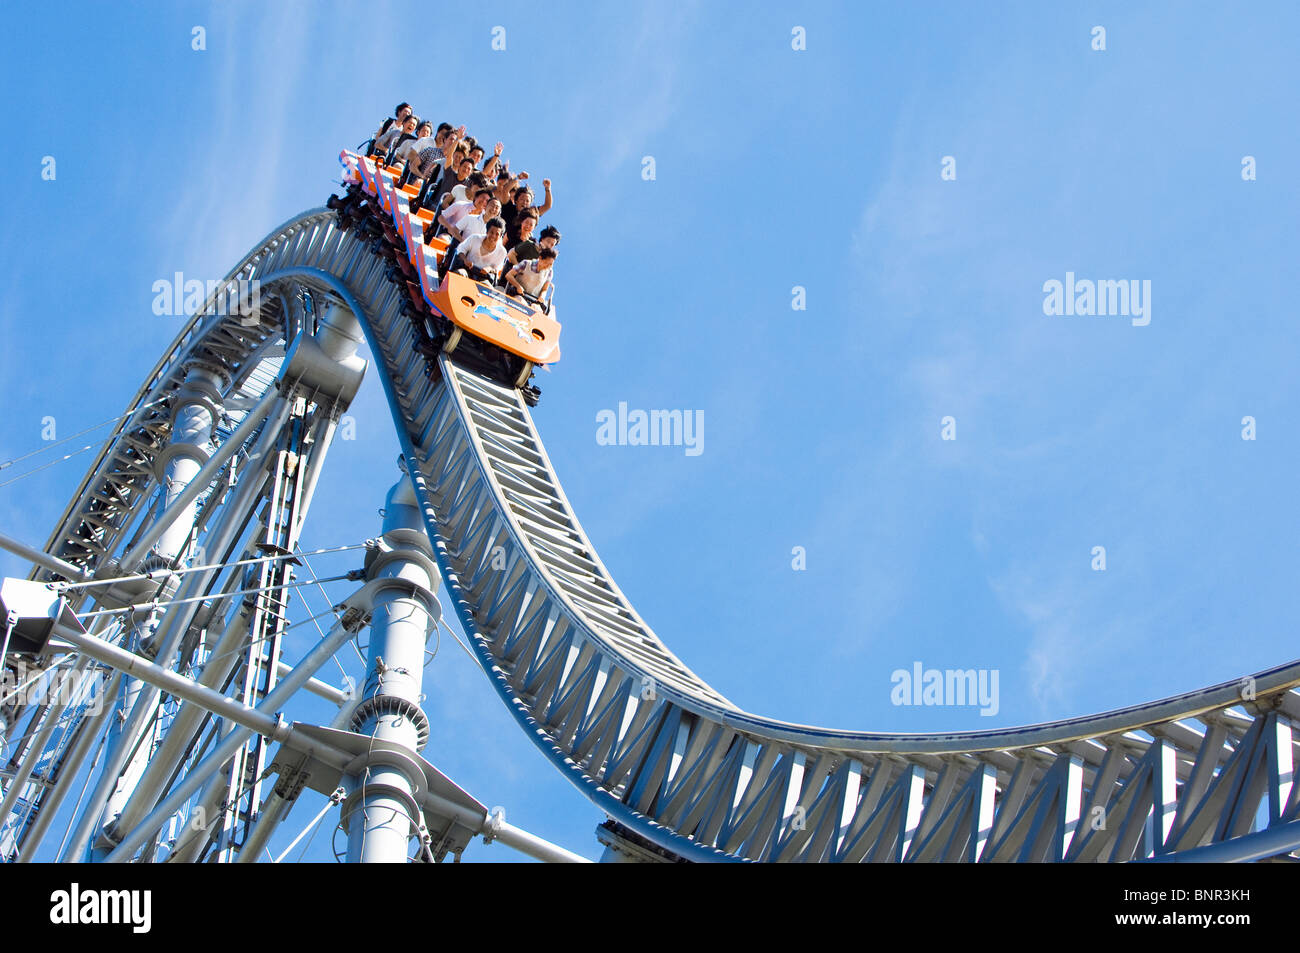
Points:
point(381, 813)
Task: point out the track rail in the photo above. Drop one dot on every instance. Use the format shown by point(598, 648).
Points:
point(669, 757)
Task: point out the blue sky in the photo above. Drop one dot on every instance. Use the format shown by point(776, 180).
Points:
point(775, 168)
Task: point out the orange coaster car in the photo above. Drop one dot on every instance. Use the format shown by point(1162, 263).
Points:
point(513, 325)
point(510, 323)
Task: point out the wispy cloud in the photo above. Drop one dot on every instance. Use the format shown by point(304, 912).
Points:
point(266, 60)
point(633, 103)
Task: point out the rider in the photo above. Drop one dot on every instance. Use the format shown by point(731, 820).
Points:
point(483, 255)
point(531, 278)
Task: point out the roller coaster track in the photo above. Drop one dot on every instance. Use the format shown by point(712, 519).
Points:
point(674, 764)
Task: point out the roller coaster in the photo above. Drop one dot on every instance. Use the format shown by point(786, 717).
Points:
point(155, 613)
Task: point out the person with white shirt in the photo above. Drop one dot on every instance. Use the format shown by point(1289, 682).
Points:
point(481, 256)
point(399, 116)
point(477, 224)
point(473, 224)
point(395, 134)
point(469, 188)
point(407, 150)
point(465, 218)
point(532, 278)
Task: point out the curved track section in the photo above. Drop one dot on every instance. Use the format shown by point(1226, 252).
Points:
point(237, 347)
point(671, 759)
point(655, 747)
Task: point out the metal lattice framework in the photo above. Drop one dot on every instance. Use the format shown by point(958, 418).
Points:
point(665, 756)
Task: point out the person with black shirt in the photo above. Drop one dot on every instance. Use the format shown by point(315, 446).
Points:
point(526, 222)
point(452, 176)
point(529, 249)
point(523, 199)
